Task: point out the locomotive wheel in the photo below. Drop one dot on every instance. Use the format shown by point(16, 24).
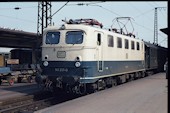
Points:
point(101, 84)
point(109, 82)
point(140, 74)
point(143, 74)
point(93, 88)
point(96, 88)
point(104, 84)
point(131, 77)
point(114, 82)
point(127, 77)
point(119, 81)
point(82, 89)
point(136, 75)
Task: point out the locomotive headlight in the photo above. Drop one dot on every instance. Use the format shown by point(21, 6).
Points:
point(45, 63)
point(77, 64)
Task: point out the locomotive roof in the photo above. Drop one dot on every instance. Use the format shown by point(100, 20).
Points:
point(83, 26)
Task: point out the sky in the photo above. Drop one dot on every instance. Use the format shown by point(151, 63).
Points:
point(141, 13)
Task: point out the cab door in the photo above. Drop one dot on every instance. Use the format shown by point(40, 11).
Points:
point(100, 62)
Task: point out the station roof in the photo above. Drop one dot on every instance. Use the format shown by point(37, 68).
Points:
point(164, 30)
point(18, 39)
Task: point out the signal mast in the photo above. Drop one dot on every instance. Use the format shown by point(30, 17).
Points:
point(156, 24)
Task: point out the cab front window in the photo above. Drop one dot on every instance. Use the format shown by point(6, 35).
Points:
point(74, 37)
point(52, 38)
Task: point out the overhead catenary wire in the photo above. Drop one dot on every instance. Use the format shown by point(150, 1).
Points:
point(144, 13)
point(156, 5)
point(92, 4)
point(162, 12)
point(11, 17)
point(11, 8)
point(151, 5)
point(148, 3)
point(105, 9)
point(95, 3)
point(81, 4)
point(59, 9)
point(147, 28)
point(134, 22)
point(165, 39)
point(141, 14)
point(17, 8)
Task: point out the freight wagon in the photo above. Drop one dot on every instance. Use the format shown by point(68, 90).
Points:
point(17, 67)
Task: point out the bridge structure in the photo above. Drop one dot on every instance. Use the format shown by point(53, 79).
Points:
point(19, 39)
point(11, 38)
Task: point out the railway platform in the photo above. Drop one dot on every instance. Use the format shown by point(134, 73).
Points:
point(145, 95)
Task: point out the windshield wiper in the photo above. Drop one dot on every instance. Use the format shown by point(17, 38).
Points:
point(49, 41)
point(77, 41)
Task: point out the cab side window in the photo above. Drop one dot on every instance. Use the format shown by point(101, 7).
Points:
point(119, 42)
point(132, 45)
point(98, 39)
point(110, 41)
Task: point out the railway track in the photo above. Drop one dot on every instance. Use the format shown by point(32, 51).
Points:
point(28, 102)
point(31, 103)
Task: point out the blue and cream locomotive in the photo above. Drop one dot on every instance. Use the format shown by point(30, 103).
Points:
point(80, 57)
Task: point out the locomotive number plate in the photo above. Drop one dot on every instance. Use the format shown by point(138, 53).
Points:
point(61, 69)
point(61, 54)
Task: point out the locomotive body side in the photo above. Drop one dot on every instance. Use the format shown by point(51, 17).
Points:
point(81, 54)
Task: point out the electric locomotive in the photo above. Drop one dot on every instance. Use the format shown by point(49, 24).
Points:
point(82, 57)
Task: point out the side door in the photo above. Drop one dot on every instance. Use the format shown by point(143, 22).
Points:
point(100, 63)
